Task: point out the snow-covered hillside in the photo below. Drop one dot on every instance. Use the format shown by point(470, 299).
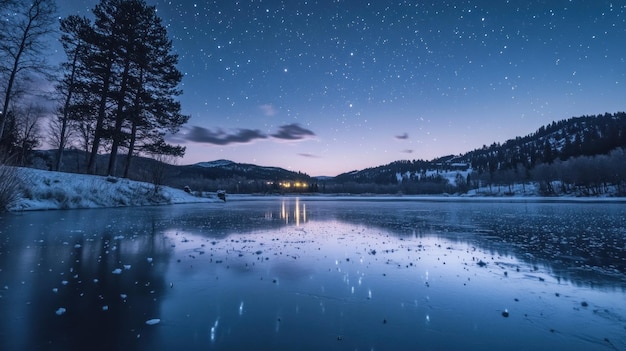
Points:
point(43, 190)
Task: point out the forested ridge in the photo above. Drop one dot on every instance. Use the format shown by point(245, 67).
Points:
point(583, 155)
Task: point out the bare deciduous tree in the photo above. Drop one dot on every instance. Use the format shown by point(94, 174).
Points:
point(27, 131)
point(23, 46)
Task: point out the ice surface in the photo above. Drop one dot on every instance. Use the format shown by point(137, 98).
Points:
point(344, 268)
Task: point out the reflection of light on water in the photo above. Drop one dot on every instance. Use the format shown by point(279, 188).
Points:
point(427, 319)
point(213, 330)
point(283, 213)
point(369, 293)
point(299, 213)
point(241, 308)
point(353, 290)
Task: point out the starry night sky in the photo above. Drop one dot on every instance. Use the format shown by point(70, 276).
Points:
point(326, 87)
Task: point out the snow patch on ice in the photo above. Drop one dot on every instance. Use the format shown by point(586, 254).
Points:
point(153, 321)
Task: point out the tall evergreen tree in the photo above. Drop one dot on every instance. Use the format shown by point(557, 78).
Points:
point(131, 78)
point(155, 112)
point(101, 77)
point(72, 39)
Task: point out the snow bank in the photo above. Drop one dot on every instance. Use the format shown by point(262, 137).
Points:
point(45, 190)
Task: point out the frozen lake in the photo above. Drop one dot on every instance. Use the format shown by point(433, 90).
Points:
point(316, 274)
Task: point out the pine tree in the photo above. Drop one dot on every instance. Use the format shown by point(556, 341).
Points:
point(131, 77)
point(74, 45)
point(101, 75)
point(154, 111)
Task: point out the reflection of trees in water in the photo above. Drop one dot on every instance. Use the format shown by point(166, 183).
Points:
point(80, 266)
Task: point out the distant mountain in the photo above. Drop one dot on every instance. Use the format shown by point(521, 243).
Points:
point(577, 136)
point(574, 137)
point(216, 163)
point(228, 169)
point(386, 174)
point(236, 177)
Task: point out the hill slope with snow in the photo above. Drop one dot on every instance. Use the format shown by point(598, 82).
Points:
point(45, 190)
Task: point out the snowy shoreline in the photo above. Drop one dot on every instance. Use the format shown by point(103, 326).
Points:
point(47, 190)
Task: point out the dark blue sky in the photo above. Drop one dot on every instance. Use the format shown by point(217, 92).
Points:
point(325, 87)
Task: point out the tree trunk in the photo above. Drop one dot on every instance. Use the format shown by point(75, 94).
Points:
point(91, 167)
point(66, 105)
point(131, 148)
point(119, 121)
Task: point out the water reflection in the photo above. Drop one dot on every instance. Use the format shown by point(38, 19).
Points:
point(68, 284)
point(293, 273)
point(299, 212)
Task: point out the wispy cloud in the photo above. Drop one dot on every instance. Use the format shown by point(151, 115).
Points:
point(292, 132)
point(220, 137)
point(403, 136)
point(308, 155)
